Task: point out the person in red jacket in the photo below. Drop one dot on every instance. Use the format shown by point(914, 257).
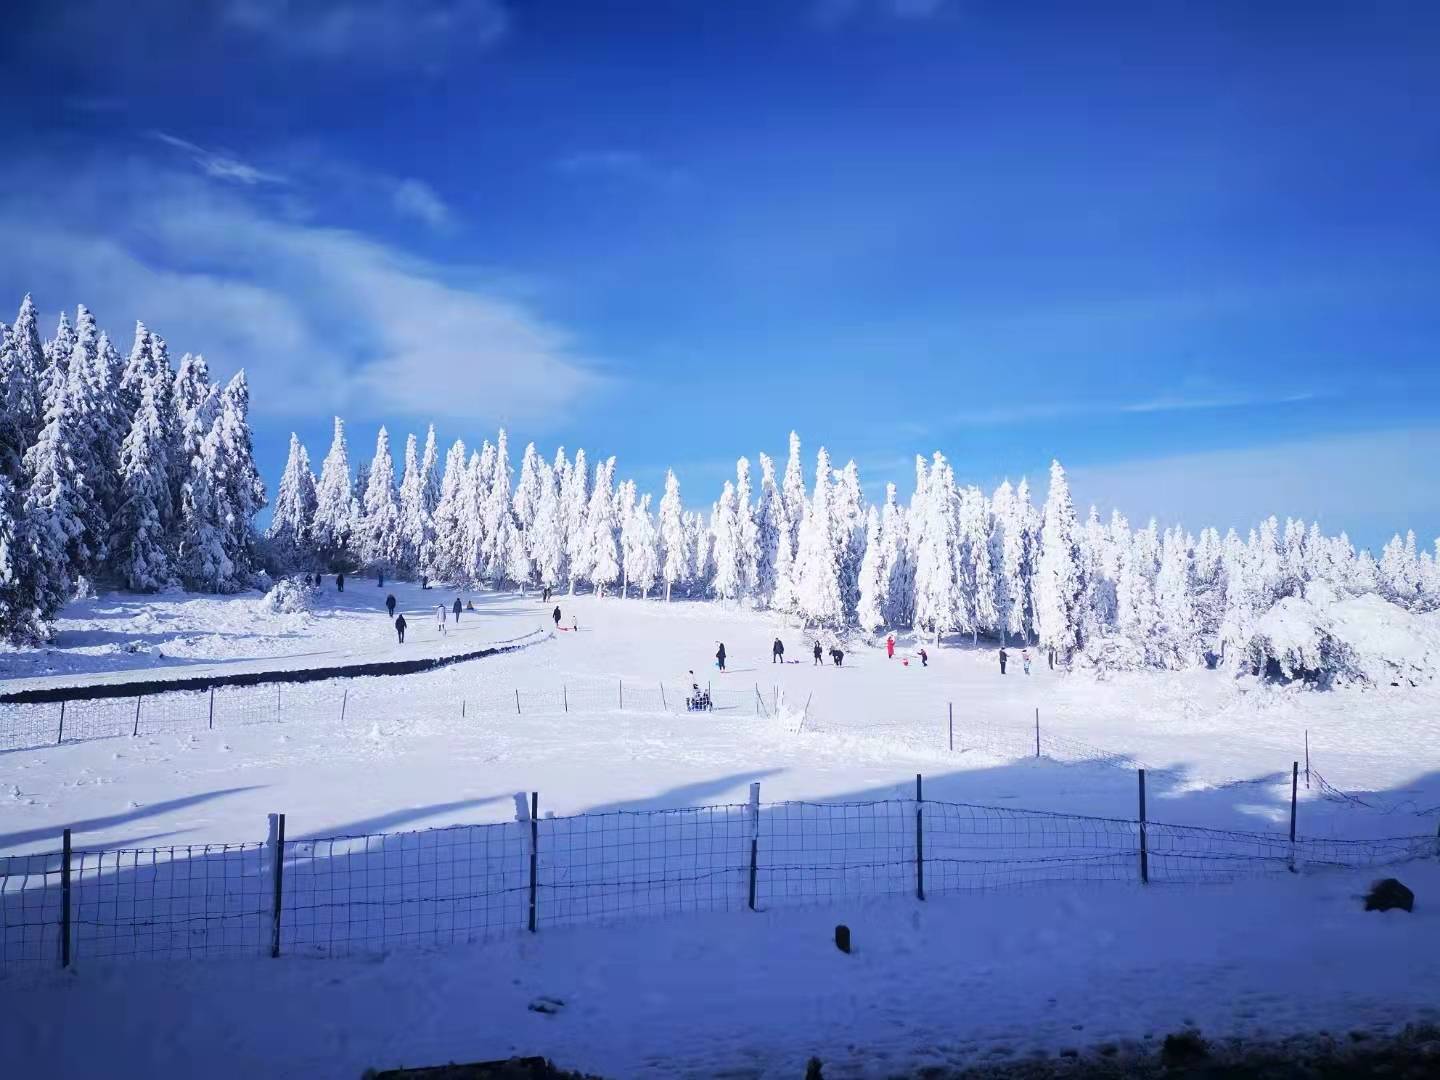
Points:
point(890, 647)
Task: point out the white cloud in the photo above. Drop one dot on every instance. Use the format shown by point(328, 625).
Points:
point(219, 165)
point(323, 318)
point(417, 199)
point(1181, 401)
point(1370, 483)
point(421, 32)
point(621, 164)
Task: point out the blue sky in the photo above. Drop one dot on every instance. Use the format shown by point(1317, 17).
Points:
point(1191, 249)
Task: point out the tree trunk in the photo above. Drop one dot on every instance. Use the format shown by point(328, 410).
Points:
point(667, 592)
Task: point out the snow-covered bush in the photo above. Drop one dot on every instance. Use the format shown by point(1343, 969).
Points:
point(290, 596)
point(1296, 640)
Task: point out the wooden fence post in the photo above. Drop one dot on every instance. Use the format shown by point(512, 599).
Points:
point(663, 703)
point(1144, 846)
point(1307, 759)
point(517, 701)
point(754, 839)
point(136, 729)
point(344, 700)
point(211, 721)
point(1294, 793)
point(65, 899)
point(919, 841)
point(278, 870)
point(534, 852)
point(565, 696)
point(60, 736)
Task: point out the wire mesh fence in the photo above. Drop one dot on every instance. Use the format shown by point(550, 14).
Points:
point(346, 895)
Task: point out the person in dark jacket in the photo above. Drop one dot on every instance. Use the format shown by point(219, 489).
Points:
point(400, 628)
point(720, 656)
point(556, 616)
point(380, 579)
point(837, 654)
point(340, 582)
point(1004, 656)
point(390, 603)
point(924, 658)
point(424, 582)
point(777, 652)
point(818, 654)
point(455, 607)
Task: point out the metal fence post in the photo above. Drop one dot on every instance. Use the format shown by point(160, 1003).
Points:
point(277, 870)
point(136, 729)
point(344, 701)
point(65, 899)
point(754, 839)
point(919, 841)
point(622, 694)
point(1037, 732)
point(565, 696)
point(1294, 792)
point(1307, 759)
point(663, 703)
point(1144, 846)
point(952, 727)
point(517, 701)
point(60, 735)
point(534, 852)
point(212, 709)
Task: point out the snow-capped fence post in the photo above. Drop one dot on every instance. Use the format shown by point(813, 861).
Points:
point(60, 735)
point(211, 721)
point(136, 729)
point(275, 854)
point(754, 839)
point(919, 840)
point(1144, 846)
point(65, 899)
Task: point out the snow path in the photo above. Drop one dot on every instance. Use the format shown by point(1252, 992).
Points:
point(986, 977)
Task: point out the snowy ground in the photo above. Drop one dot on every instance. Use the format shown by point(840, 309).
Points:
point(1012, 970)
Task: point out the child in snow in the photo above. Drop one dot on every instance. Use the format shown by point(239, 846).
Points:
point(1025, 660)
point(440, 618)
point(924, 658)
point(838, 655)
point(890, 647)
point(720, 656)
point(1004, 656)
point(817, 656)
point(777, 652)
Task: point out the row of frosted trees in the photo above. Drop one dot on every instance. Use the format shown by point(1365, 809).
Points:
point(951, 560)
point(126, 469)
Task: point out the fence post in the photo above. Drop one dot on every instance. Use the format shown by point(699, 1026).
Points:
point(952, 727)
point(65, 899)
point(277, 869)
point(534, 852)
point(136, 729)
point(462, 708)
point(344, 700)
point(1307, 759)
point(211, 722)
point(60, 736)
point(663, 703)
point(622, 695)
point(1144, 845)
point(565, 696)
point(1037, 732)
point(919, 842)
point(754, 838)
point(1295, 786)
point(517, 701)
point(758, 705)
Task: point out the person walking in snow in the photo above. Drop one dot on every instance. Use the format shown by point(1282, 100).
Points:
point(390, 604)
point(1003, 657)
point(837, 654)
point(340, 582)
point(380, 579)
point(400, 627)
point(720, 656)
point(556, 616)
point(777, 652)
point(924, 658)
point(456, 609)
point(1025, 660)
point(890, 647)
point(817, 656)
point(440, 618)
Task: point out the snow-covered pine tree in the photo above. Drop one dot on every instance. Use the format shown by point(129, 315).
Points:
point(870, 612)
point(499, 531)
point(818, 597)
point(22, 404)
point(57, 352)
point(747, 533)
point(195, 412)
point(334, 517)
point(896, 564)
point(977, 575)
point(793, 492)
point(846, 506)
point(447, 553)
point(547, 550)
point(527, 489)
point(937, 600)
point(1242, 597)
point(674, 538)
point(294, 515)
point(140, 550)
point(1208, 588)
point(574, 498)
point(18, 622)
point(725, 529)
point(54, 537)
point(1174, 591)
point(202, 557)
point(1101, 555)
point(382, 543)
point(770, 528)
point(239, 490)
point(478, 476)
point(1059, 585)
point(643, 558)
point(1137, 613)
point(109, 424)
point(699, 544)
point(1399, 570)
point(410, 510)
point(602, 556)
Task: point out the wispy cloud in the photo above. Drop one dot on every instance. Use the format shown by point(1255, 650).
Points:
point(626, 165)
point(218, 164)
point(1028, 412)
point(417, 199)
point(323, 318)
point(831, 13)
point(389, 31)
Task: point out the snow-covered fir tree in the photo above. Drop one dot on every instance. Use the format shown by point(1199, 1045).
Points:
point(294, 515)
point(447, 553)
point(937, 600)
point(547, 551)
point(1058, 583)
point(818, 597)
point(600, 550)
point(896, 566)
point(747, 532)
point(793, 492)
point(140, 545)
point(870, 613)
point(771, 530)
point(382, 540)
point(674, 537)
point(642, 554)
point(725, 533)
point(334, 512)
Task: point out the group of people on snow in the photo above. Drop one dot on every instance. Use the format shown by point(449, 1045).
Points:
point(441, 615)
